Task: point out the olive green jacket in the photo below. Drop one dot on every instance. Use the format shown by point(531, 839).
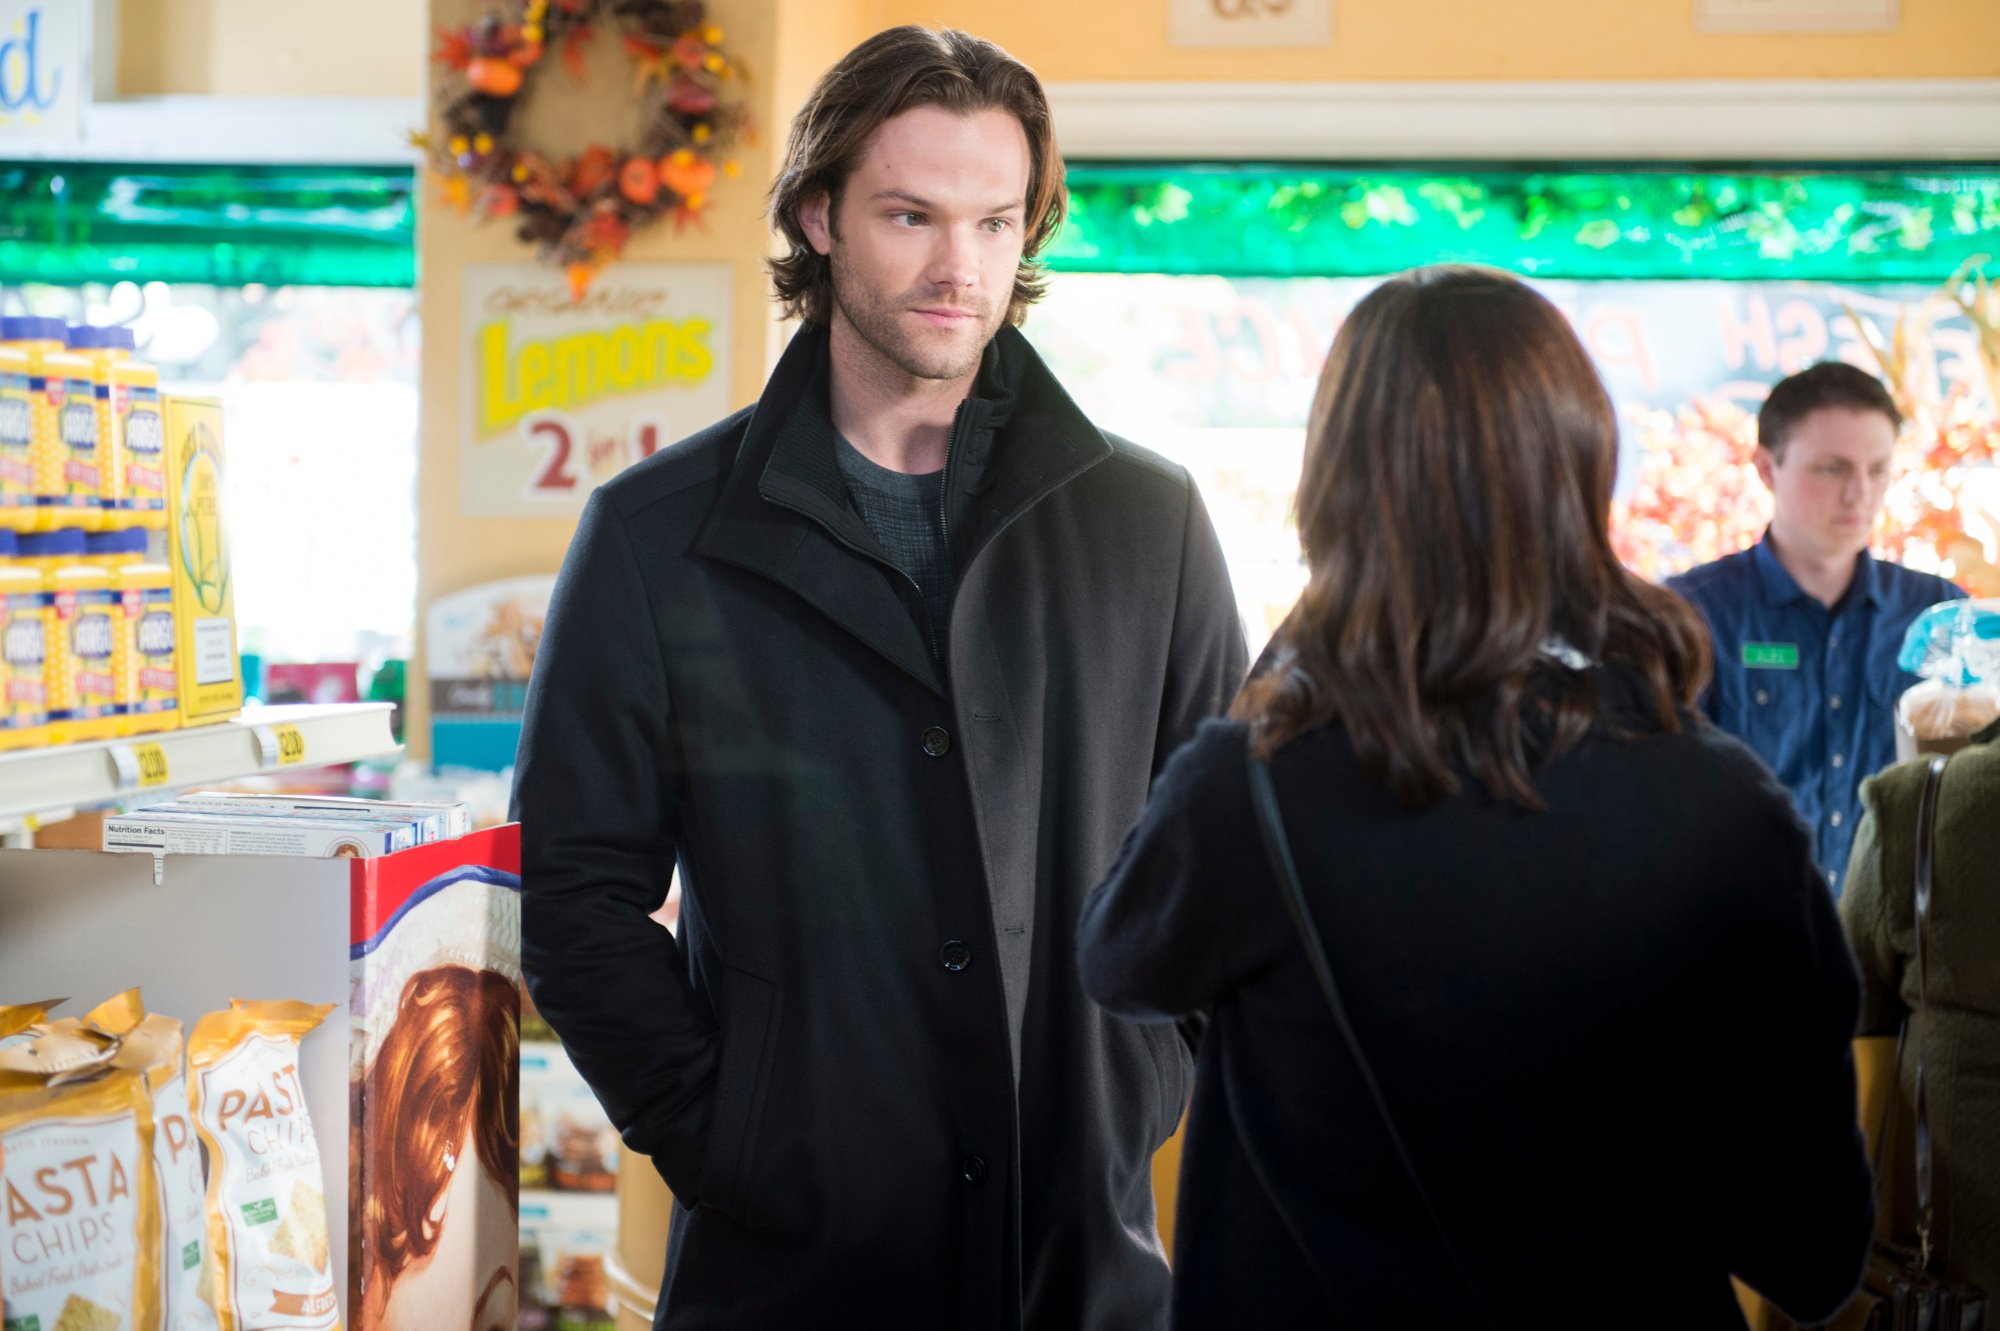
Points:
point(1962, 1036)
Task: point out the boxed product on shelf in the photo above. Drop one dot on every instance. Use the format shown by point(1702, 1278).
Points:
point(17, 436)
point(434, 820)
point(24, 700)
point(92, 459)
point(167, 830)
point(567, 1142)
point(62, 470)
point(566, 1246)
point(198, 554)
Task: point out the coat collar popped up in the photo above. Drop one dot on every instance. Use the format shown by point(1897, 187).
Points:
point(784, 514)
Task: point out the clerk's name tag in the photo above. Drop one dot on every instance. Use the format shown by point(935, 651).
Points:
point(1770, 656)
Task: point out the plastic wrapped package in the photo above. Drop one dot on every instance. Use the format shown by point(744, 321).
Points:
point(1955, 646)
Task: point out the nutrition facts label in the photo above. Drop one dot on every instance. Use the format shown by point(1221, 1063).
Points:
point(214, 651)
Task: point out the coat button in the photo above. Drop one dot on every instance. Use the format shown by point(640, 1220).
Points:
point(955, 955)
point(974, 1170)
point(937, 742)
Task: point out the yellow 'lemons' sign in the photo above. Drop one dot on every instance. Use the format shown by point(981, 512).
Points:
point(522, 375)
point(562, 394)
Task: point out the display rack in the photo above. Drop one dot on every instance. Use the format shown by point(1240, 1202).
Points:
point(43, 785)
point(350, 933)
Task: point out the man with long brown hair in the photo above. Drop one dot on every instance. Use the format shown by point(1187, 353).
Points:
point(887, 664)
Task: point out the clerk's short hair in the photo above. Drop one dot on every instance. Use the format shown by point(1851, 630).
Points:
point(1830, 383)
point(892, 72)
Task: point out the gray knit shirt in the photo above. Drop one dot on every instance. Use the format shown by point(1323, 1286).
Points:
point(904, 513)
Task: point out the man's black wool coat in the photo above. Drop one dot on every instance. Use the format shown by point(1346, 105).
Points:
point(822, 1065)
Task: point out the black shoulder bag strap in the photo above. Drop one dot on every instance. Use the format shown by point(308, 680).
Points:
point(1921, 905)
point(1278, 846)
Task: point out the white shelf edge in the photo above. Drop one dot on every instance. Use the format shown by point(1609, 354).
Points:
point(37, 785)
point(288, 131)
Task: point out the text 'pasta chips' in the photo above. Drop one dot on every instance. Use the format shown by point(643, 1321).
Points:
point(266, 1212)
point(79, 1219)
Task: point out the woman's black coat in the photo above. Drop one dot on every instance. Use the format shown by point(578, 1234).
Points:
point(1614, 1033)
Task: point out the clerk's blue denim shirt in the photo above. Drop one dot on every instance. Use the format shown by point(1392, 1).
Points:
point(1812, 690)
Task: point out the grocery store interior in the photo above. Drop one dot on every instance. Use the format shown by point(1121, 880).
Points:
point(350, 389)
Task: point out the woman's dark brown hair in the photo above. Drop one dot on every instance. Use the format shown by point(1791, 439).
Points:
point(890, 73)
point(1453, 508)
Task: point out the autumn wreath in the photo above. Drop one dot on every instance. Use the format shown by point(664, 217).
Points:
point(580, 212)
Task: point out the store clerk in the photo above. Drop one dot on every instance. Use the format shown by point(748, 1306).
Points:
point(1807, 624)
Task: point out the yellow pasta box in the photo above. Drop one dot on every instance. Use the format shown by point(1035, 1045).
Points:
point(104, 350)
point(266, 1204)
point(88, 612)
point(18, 511)
point(79, 1209)
point(149, 686)
point(62, 422)
point(211, 684)
point(24, 688)
point(135, 401)
point(53, 555)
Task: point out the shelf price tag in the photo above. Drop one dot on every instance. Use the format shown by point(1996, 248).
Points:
point(280, 746)
point(139, 766)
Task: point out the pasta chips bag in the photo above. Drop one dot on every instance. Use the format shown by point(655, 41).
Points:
point(266, 1213)
point(150, 1044)
point(79, 1221)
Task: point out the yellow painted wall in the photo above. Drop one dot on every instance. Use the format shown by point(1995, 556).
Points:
point(270, 48)
point(377, 47)
point(1402, 40)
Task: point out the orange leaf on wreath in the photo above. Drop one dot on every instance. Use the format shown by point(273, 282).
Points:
point(454, 47)
point(604, 233)
point(454, 192)
point(499, 201)
point(593, 170)
point(572, 55)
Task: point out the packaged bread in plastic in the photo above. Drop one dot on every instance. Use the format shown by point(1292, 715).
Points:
point(1955, 646)
point(266, 1208)
point(79, 1220)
